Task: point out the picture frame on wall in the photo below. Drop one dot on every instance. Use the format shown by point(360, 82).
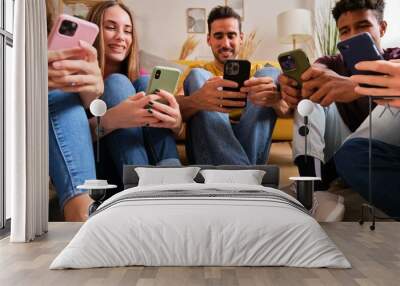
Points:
point(196, 20)
point(237, 5)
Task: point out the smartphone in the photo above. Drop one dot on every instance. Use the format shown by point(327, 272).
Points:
point(237, 71)
point(164, 78)
point(68, 31)
point(293, 64)
point(357, 49)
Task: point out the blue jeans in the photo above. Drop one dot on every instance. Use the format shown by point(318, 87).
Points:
point(212, 139)
point(71, 154)
point(352, 165)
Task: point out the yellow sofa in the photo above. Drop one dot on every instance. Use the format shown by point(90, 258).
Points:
point(284, 126)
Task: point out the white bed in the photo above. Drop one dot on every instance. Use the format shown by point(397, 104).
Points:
point(201, 225)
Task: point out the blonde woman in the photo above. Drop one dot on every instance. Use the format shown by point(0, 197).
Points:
point(74, 83)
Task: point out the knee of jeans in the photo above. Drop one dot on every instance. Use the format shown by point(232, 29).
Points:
point(272, 72)
point(346, 156)
point(58, 98)
point(195, 76)
point(117, 88)
point(141, 83)
point(117, 78)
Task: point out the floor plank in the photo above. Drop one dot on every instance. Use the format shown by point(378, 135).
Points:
point(375, 257)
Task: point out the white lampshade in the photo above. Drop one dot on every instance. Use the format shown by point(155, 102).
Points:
point(294, 26)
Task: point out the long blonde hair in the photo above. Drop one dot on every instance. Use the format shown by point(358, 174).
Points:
point(130, 65)
point(49, 14)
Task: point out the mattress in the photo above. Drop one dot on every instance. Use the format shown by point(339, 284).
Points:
point(201, 225)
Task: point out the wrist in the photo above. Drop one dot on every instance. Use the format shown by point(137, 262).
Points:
point(106, 121)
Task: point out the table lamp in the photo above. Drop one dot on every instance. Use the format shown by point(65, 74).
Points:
point(294, 26)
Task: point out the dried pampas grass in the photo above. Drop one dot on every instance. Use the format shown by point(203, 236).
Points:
point(188, 47)
point(249, 46)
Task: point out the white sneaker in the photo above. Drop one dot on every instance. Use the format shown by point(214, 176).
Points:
point(327, 207)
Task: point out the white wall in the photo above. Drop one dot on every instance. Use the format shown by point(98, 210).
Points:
point(392, 37)
point(162, 24)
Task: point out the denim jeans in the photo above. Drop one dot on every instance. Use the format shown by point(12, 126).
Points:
point(71, 153)
point(328, 131)
point(352, 165)
point(212, 139)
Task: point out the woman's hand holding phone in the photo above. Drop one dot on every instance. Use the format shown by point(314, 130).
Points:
point(144, 110)
point(132, 112)
point(76, 70)
point(169, 115)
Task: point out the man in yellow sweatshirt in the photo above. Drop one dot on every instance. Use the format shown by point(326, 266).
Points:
point(213, 137)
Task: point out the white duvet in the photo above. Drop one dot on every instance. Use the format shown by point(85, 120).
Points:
point(268, 228)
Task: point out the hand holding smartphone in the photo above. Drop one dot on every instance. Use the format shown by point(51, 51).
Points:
point(237, 71)
point(293, 64)
point(164, 78)
point(68, 31)
point(358, 49)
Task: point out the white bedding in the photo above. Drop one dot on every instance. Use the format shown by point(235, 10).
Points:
point(264, 229)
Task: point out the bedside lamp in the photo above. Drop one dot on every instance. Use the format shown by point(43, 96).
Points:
point(294, 26)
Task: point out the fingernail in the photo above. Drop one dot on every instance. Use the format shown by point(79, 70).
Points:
point(149, 110)
point(147, 106)
point(56, 65)
point(151, 103)
point(156, 90)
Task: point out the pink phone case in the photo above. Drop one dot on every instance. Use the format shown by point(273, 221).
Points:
point(85, 31)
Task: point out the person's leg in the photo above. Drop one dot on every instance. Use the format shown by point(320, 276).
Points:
point(384, 121)
point(125, 146)
point(352, 165)
point(71, 159)
point(327, 132)
point(160, 142)
point(161, 147)
point(141, 83)
point(210, 138)
point(254, 130)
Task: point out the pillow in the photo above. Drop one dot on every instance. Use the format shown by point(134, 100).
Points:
point(149, 61)
point(248, 177)
point(166, 176)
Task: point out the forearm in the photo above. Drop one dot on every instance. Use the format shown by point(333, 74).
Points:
point(188, 107)
point(87, 99)
point(106, 125)
point(282, 109)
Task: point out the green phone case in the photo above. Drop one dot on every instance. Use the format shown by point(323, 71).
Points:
point(164, 78)
point(294, 64)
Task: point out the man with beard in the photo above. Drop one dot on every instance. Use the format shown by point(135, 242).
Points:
point(217, 134)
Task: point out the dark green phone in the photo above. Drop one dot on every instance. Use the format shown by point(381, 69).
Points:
point(294, 63)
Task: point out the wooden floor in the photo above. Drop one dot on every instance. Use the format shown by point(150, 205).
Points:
point(375, 257)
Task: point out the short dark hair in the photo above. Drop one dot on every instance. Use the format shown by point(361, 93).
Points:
point(222, 12)
point(343, 6)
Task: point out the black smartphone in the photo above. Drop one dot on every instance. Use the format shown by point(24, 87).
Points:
point(237, 71)
point(358, 49)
